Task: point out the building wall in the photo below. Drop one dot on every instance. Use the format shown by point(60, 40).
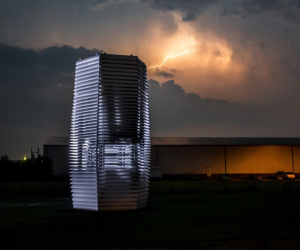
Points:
point(239, 159)
point(258, 159)
point(60, 157)
point(296, 153)
point(153, 161)
point(196, 159)
point(189, 159)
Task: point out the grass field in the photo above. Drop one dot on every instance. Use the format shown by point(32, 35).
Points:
point(179, 215)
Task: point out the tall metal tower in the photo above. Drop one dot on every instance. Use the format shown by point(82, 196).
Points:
point(110, 134)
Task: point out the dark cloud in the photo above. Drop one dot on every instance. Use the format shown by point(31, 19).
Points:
point(284, 9)
point(291, 12)
point(100, 4)
point(36, 97)
point(163, 73)
point(191, 9)
point(255, 7)
point(289, 68)
point(288, 10)
point(190, 16)
point(36, 89)
point(172, 108)
point(249, 8)
point(36, 94)
point(261, 45)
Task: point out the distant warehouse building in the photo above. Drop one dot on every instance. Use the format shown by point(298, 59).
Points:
point(58, 149)
point(209, 157)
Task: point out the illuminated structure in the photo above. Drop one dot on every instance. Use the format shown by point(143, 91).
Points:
point(109, 153)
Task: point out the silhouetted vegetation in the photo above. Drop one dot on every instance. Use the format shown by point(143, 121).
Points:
point(34, 169)
point(7, 168)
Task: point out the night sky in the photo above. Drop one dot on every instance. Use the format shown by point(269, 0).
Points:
point(241, 79)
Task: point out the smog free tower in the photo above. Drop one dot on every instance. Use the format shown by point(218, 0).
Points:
point(109, 153)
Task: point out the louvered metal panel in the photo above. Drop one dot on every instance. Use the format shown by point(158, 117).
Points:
point(110, 134)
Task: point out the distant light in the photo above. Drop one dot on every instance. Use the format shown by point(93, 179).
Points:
point(25, 158)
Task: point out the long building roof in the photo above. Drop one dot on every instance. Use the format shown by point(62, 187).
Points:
point(203, 141)
point(224, 141)
point(57, 141)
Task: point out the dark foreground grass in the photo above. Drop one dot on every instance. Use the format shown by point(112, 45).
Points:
point(181, 219)
point(62, 188)
point(212, 187)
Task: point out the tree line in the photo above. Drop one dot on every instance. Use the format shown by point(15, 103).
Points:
point(34, 169)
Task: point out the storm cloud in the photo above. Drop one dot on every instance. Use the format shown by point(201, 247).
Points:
point(163, 73)
point(241, 77)
point(171, 107)
point(193, 9)
point(288, 10)
point(190, 9)
point(36, 94)
point(37, 89)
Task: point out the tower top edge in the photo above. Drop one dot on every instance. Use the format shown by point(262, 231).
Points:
point(112, 56)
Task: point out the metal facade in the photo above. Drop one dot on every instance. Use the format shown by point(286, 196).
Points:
point(109, 155)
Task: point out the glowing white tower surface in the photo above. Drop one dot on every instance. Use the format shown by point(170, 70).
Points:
point(110, 134)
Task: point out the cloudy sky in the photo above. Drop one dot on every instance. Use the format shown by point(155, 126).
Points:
point(240, 77)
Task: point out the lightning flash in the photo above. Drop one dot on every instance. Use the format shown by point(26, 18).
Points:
point(170, 56)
